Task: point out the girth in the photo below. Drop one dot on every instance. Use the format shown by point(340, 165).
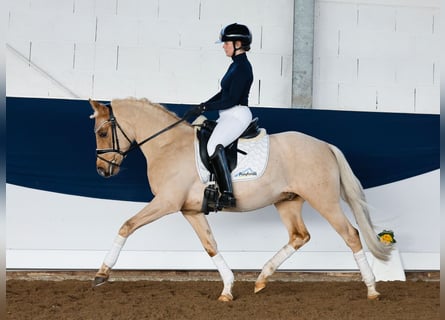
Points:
point(204, 133)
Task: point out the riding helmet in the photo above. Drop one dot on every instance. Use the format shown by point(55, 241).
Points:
point(235, 32)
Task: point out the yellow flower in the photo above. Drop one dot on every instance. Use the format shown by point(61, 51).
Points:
point(387, 237)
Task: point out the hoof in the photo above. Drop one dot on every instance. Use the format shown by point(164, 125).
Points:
point(374, 297)
point(259, 286)
point(373, 294)
point(225, 298)
point(98, 281)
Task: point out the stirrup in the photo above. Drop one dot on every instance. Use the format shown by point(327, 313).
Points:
point(226, 200)
point(210, 199)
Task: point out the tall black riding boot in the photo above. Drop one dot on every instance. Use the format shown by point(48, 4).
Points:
point(223, 177)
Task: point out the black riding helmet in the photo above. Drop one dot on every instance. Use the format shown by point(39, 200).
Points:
point(236, 32)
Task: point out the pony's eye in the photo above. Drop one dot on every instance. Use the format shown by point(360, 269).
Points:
point(102, 133)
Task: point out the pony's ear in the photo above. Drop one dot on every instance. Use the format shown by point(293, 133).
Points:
point(97, 108)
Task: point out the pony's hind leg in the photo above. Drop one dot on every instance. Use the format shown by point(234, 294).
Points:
point(290, 213)
point(202, 228)
point(335, 216)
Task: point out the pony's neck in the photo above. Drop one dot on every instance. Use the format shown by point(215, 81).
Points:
point(146, 119)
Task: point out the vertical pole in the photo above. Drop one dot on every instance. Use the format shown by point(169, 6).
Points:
point(303, 53)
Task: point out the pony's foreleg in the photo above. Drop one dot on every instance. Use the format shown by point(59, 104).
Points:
point(226, 275)
point(110, 260)
point(156, 209)
point(367, 274)
point(201, 226)
point(271, 266)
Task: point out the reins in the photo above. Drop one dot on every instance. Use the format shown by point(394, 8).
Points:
point(135, 145)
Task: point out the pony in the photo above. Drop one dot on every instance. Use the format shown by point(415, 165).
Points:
point(300, 168)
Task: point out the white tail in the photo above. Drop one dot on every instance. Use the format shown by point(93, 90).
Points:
point(352, 193)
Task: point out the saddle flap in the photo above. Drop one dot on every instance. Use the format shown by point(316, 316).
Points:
point(203, 135)
point(204, 132)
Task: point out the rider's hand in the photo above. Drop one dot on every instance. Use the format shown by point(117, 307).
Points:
point(195, 111)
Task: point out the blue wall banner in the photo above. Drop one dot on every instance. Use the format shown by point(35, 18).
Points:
point(51, 145)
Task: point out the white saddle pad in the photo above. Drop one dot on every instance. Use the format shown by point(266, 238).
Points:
point(250, 166)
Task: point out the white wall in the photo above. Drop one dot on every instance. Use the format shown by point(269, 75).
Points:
point(371, 55)
point(56, 231)
point(160, 49)
point(377, 55)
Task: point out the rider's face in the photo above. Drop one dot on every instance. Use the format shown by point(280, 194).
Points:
point(228, 48)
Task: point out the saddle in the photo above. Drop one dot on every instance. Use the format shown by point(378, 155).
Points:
point(204, 133)
point(211, 193)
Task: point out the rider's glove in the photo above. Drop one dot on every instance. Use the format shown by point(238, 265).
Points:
point(195, 111)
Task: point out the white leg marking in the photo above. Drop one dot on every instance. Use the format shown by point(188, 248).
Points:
point(282, 255)
point(225, 272)
point(366, 272)
point(113, 254)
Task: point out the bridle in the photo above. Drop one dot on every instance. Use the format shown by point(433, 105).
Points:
point(115, 139)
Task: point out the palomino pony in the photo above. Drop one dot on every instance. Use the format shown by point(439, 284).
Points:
point(300, 168)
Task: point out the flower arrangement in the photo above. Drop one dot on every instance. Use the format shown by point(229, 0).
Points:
point(387, 237)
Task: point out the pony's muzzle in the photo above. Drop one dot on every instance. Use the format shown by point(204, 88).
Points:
point(107, 168)
point(103, 172)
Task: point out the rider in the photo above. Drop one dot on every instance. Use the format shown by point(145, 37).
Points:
point(232, 103)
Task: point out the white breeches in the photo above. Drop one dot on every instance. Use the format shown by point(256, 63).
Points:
point(230, 125)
